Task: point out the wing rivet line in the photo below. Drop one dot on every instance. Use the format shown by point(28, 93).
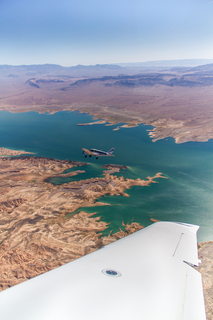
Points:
point(178, 244)
point(111, 273)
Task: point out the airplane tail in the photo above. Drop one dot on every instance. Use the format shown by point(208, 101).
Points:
point(111, 151)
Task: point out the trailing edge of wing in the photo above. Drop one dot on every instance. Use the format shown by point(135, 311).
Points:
point(146, 275)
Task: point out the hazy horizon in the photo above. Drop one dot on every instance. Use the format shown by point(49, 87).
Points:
point(157, 63)
point(93, 32)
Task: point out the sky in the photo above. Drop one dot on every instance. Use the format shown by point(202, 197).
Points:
point(72, 32)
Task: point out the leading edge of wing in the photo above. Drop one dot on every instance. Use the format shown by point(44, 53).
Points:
point(88, 152)
point(142, 276)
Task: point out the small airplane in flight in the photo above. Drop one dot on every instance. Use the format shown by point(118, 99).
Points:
point(97, 153)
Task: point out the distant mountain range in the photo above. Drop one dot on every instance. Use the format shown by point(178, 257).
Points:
point(168, 63)
point(179, 74)
point(161, 63)
point(54, 69)
point(192, 78)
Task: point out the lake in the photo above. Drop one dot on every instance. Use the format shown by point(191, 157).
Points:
point(186, 196)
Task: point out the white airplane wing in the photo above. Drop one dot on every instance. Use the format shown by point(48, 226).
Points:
point(147, 275)
point(88, 152)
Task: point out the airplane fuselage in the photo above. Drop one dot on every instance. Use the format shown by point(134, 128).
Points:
point(97, 153)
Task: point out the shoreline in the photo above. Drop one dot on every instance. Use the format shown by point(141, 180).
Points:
point(35, 228)
point(180, 130)
point(10, 152)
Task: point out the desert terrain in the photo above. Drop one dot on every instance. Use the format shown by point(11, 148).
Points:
point(205, 268)
point(38, 230)
point(177, 102)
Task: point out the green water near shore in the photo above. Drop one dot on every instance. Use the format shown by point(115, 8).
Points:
point(186, 196)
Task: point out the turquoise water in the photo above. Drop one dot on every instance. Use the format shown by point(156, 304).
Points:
point(186, 196)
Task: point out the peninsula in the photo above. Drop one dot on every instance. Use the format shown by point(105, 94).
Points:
point(38, 231)
point(9, 152)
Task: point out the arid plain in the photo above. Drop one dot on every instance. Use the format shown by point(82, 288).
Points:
point(36, 234)
point(177, 102)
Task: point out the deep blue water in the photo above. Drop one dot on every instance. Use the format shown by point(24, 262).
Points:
point(186, 196)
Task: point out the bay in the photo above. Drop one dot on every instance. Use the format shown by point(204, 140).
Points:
point(186, 196)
